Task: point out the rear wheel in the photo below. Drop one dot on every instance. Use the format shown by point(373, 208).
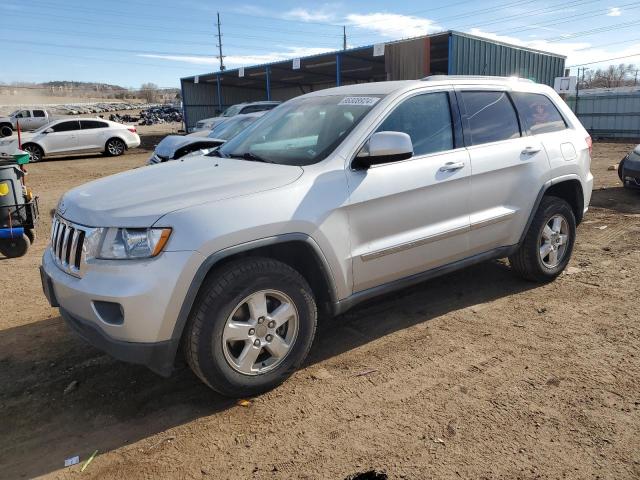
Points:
point(115, 147)
point(548, 244)
point(14, 247)
point(251, 327)
point(31, 235)
point(35, 152)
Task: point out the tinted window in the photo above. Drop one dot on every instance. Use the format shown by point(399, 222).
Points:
point(87, 124)
point(490, 117)
point(38, 113)
point(66, 126)
point(426, 119)
point(539, 114)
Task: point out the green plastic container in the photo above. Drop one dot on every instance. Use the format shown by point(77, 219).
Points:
point(21, 157)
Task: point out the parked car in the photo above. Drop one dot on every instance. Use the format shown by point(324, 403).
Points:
point(241, 108)
point(29, 119)
point(629, 169)
point(79, 135)
point(173, 147)
point(333, 198)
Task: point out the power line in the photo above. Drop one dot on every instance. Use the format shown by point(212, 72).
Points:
point(605, 60)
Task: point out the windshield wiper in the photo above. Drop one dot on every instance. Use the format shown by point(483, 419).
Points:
point(216, 153)
point(252, 157)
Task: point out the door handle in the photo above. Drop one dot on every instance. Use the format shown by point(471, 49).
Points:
point(531, 150)
point(451, 166)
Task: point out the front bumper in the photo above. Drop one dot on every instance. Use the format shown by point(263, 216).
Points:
point(630, 173)
point(149, 294)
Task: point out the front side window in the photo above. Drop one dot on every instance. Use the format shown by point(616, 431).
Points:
point(23, 114)
point(490, 117)
point(300, 132)
point(538, 113)
point(426, 119)
point(66, 126)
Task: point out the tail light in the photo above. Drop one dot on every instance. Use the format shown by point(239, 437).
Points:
point(589, 144)
point(132, 129)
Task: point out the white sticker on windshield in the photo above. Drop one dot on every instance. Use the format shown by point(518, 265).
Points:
point(365, 101)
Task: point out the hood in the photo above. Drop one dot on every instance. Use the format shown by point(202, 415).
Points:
point(138, 198)
point(168, 145)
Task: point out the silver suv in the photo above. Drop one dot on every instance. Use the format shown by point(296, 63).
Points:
point(333, 198)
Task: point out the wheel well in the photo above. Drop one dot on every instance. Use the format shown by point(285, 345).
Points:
point(571, 192)
point(301, 257)
point(116, 138)
point(34, 143)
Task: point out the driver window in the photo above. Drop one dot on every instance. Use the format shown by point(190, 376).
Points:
point(23, 114)
point(426, 119)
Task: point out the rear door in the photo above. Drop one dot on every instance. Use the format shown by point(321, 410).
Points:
point(411, 216)
point(508, 168)
point(91, 135)
point(64, 137)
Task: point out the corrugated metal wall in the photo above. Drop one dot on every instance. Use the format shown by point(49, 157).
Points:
point(609, 115)
point(470, 55)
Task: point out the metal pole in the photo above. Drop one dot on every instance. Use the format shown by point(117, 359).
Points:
point(344, 37)
point(219, 93)
point(268, 71)
point(575, 109)
point(338, 69)
point(220, 44)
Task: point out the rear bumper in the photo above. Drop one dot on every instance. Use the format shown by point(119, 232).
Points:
point(133, 142)
point(158, 357)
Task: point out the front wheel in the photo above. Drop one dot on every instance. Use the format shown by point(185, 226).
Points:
point(35, 152)
point(548, 244)
point(6, 131)
point(115, 147)
point(251, 327)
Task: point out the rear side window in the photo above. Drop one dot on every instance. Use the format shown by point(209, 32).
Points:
point(538, 113)
point(88, 124)
point(38, 113)
point(490, 117)
point(66, 126)
point(426, 119)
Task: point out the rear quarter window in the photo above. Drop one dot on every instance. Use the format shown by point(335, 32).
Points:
point(489, 117)
point(538, 113)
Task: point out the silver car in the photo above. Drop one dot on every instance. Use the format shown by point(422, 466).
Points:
point(173, 147)
point(333, 198)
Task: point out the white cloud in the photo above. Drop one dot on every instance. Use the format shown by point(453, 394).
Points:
point(240, 60)
point(393, 25)
point(321, 15)
point(614, 12)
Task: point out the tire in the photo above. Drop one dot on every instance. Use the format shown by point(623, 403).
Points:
point(114, 147)
point(35, 151)
point(528, 261)
point(217, 360)
point(31, 235)
point(6, 131)
point(14, 247)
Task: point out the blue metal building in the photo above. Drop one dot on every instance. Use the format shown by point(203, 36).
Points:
point(451, 52)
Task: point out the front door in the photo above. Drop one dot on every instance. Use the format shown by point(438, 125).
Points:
point(64, 137)
point(410, 216)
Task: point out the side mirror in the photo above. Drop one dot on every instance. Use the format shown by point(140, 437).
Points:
point(48, 130)
point(384, 147)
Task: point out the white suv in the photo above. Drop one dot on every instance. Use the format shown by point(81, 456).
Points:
point(333, 198)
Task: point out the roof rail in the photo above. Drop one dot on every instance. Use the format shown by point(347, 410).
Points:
point(435, 78)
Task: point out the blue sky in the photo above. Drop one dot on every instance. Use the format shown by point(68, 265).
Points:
point(129, 42)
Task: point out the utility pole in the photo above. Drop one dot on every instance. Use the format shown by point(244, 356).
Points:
point(344, 38)
point(575, 110)
point(222, 67)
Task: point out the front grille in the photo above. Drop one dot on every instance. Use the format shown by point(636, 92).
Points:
point(67, 241)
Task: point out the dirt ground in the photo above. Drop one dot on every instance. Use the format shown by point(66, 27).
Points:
point(473, 375)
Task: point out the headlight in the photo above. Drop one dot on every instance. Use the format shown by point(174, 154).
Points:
point(4, 143)
point(126, 243)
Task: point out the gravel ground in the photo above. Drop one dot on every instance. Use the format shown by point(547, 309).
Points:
point(473, 375)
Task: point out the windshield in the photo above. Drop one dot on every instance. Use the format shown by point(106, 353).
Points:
point(302, 131)
point(232, 110)
point(230, 128)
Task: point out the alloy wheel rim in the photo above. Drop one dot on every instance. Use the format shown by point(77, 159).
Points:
point(115, 148)
point(35, 154)
point(554, 240)
point(260, 332)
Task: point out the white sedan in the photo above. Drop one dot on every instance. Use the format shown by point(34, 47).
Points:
point(81, 135)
